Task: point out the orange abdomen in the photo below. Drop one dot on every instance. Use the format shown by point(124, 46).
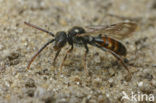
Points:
point(112, 44)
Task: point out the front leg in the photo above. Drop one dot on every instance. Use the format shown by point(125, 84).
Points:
point(38, 52)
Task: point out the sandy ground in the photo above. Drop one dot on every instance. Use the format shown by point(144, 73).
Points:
point(106, 82)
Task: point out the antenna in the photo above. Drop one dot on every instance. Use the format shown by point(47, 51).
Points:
point(36, 27)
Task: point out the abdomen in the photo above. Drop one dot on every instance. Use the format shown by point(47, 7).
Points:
point(111, 44)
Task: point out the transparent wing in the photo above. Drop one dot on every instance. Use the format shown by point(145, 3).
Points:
point(118, 31)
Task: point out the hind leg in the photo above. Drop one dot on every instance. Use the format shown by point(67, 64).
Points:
point(117, 57)
point(122, 63)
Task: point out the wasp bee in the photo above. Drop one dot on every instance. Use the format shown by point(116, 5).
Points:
point(103, 37)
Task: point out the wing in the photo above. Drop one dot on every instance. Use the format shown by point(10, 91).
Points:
point(118, 31)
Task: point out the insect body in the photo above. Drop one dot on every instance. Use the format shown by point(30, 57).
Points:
point(103, 37)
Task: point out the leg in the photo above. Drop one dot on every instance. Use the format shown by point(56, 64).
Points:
point(65, 57)
point(121, 61)
point(84, 59)
point(116, 56)
point(56, 55)
point(40, 50)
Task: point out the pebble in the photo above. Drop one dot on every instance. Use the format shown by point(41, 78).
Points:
point(97, 82)
point(30, 92)
point(140, 84)
point(110, 80)
point(13, 55)
point(44, 95)
point(1, 47)
point(30, 83)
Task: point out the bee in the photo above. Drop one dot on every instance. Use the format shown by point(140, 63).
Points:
point(104, 37)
